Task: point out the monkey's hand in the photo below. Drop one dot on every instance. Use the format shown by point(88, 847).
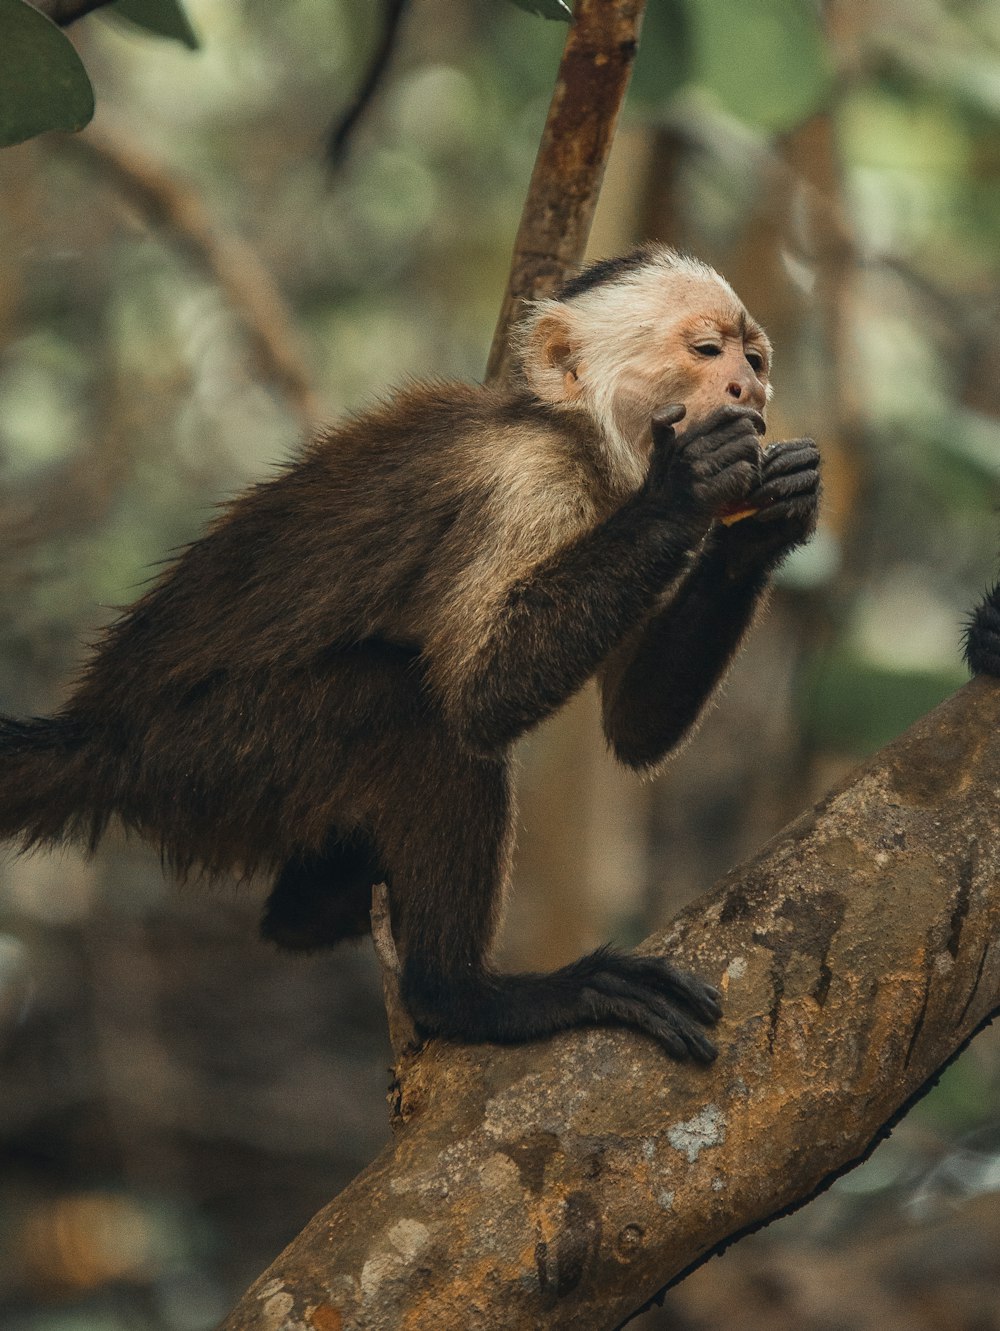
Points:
point(783, 508)
point(713, 464)
point(982, 636)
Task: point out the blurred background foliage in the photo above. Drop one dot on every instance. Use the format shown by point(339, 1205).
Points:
point(184, 286)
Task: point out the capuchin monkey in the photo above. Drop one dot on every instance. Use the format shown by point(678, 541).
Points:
point(326, 687)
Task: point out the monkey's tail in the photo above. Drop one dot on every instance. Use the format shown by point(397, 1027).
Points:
point(43, 787)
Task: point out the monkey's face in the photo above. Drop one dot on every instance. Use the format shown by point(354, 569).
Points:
point(724, 361)
point(705, 351)
point(627, 348)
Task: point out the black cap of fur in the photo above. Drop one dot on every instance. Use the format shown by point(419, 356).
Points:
point(607, 270)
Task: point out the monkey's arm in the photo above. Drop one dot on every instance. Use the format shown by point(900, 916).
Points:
point(551, 628)
point(656, 684)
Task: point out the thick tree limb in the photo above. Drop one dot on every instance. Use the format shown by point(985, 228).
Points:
point(560, 1184)
point(566, 180)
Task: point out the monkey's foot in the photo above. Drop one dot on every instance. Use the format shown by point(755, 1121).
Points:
point(982, 636)
point(653, 996)
point(606, 987)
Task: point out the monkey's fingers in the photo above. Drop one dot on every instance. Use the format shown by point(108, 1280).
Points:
point(715, 454)
point(790, 477)
point(721, 433)
point(664, 419)
point(793, 455)
point(756, 420)
point(728, 487)
point(783, 492)
point(742, 418)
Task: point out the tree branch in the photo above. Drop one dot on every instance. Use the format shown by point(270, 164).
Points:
point(402, 1031)
point(176, 210)
point(339, 136)
point(560, 1184)
point(65, 12)
point(566, 180)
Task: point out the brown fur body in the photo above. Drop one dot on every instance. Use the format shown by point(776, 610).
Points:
point(322, 618)
point(327, 684)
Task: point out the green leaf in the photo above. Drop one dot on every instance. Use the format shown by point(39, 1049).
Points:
point(765, 61)
point(164, 17)
point(43, 84)
point(557, 9)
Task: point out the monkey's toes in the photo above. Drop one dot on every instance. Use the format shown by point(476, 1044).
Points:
point(674, 985)
point(612, 998)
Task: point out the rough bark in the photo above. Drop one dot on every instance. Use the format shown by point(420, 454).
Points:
point(566, 181)
point(560, 1184)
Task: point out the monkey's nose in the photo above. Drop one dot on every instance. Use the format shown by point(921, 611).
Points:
point(747, 394)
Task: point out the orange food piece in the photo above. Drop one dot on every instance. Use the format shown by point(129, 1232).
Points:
point(732, 515)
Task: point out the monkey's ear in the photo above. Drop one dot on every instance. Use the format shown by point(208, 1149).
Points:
point(552, 357)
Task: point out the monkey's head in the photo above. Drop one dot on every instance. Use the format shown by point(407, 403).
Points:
point(627, 336)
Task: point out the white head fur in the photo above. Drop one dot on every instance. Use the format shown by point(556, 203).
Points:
point(608, 347)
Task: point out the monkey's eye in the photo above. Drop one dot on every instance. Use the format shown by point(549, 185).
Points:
point(755, 360)
point(708, 349)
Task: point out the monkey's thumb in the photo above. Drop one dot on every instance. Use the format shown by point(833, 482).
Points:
point(664, 420)
point(667, 417)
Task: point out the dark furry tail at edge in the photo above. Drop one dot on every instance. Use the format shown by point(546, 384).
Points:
point(981, 640)
point(43, 789)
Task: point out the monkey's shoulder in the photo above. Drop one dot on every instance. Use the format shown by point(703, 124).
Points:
point(454, 438)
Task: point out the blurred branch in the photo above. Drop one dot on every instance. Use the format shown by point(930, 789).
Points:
point(174, 208)
point(560, 1184)
point(555, 222)
point(339, 137)
point(402, 1032)
point(65, 12)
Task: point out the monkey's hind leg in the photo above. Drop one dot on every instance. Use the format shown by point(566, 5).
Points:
point(446, 870)
point(320, 898)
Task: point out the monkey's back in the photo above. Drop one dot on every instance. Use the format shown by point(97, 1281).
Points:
point(233, 712)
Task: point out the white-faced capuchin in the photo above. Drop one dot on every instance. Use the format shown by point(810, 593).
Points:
point(326, 687)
